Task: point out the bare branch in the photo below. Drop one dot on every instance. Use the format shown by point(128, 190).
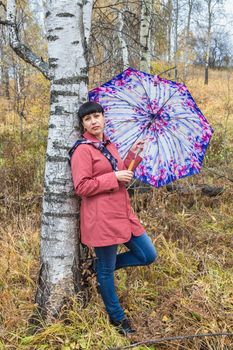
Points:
point(3, 5)
point(163, 340)
point(19, 48)
point(6, 22)
point(30, 57)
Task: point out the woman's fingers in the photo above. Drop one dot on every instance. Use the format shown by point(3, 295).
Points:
point(138, 146)
point(124, 175)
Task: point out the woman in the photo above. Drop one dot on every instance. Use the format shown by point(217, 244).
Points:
point(107, 220)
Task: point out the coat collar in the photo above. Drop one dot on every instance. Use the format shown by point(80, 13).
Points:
point(92, 138)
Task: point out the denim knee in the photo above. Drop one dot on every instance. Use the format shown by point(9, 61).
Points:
point(151, 256)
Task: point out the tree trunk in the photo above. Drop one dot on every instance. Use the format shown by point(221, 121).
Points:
point(123, 44)
point(186, 52)
point(206, 74)
point(176, 36)
point(4, 75)
point(208, 43)
point(59, 277)
point(169, 30)
point(145, 34)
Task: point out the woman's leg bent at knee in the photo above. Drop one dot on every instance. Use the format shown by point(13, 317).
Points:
point(141, 252)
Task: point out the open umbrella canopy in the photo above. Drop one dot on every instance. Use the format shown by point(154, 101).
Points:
point(138, 105)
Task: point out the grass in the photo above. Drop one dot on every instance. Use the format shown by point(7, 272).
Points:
point(189, 289)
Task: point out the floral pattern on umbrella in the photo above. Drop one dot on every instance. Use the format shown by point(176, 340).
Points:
point(140, 105)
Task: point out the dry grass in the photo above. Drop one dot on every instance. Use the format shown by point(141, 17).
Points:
point(189, 290)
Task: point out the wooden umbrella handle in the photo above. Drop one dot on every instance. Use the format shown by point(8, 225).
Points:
point(131, 165)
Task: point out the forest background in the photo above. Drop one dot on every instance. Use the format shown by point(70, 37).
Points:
point(189, 290)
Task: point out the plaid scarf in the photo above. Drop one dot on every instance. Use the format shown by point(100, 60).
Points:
point(101, 146)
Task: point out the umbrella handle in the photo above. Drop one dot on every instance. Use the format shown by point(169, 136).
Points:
point(131, 165)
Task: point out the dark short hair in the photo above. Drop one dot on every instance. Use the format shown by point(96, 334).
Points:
point(88, 108)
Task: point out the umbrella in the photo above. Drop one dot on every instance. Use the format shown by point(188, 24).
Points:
point(140, 105)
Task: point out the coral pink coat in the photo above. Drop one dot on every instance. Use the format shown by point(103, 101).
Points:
point(106, 215)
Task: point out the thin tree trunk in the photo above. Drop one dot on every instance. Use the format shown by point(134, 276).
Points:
point(59, 278)
point(190, 4)
point(145, 34)
point(86, 15)
point(169, 30)
point(5, 82)
point(208, 43)
point(123, 44)
point(176, 36)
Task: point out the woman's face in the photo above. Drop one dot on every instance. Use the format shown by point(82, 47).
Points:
point(94, 124)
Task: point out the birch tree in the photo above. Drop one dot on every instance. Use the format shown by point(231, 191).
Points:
point(176, 35)
point(145, 34)
point(68, 29)
point(208, 40)
point(169, 11)
point(123, 44)
point(187, 36)
point(4, 70)
point(213, 12)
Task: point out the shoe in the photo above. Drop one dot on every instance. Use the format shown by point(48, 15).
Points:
point(123, 326)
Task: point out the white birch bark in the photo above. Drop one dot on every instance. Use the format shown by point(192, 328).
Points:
point(123, 44)
point(176, 36)
point(59, 278)
point(169, 30)
point(87, 14)
point(145, 34)
point(186, 49)
point(4, 71)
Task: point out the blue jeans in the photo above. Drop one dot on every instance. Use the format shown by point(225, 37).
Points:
point(141, 252)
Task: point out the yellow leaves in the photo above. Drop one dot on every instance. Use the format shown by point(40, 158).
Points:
point(153, 313)
point(166, 319)
point(81, 344)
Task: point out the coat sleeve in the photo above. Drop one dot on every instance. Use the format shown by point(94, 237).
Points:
point(84, 183)
point(130, 156)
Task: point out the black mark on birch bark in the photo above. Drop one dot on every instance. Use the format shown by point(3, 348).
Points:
point(52, 37)
point(71, 80)
point(59, 215)
point(65, 14)
point(63, 93)
point(56, 159)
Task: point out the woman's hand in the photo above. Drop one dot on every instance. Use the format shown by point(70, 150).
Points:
point(138, 146)
point(124, 175)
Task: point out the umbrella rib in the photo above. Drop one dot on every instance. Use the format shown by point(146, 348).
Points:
point(147, 96)
point(192, 150)
point(122, 99)
point(134, 141)
point(153, 119)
